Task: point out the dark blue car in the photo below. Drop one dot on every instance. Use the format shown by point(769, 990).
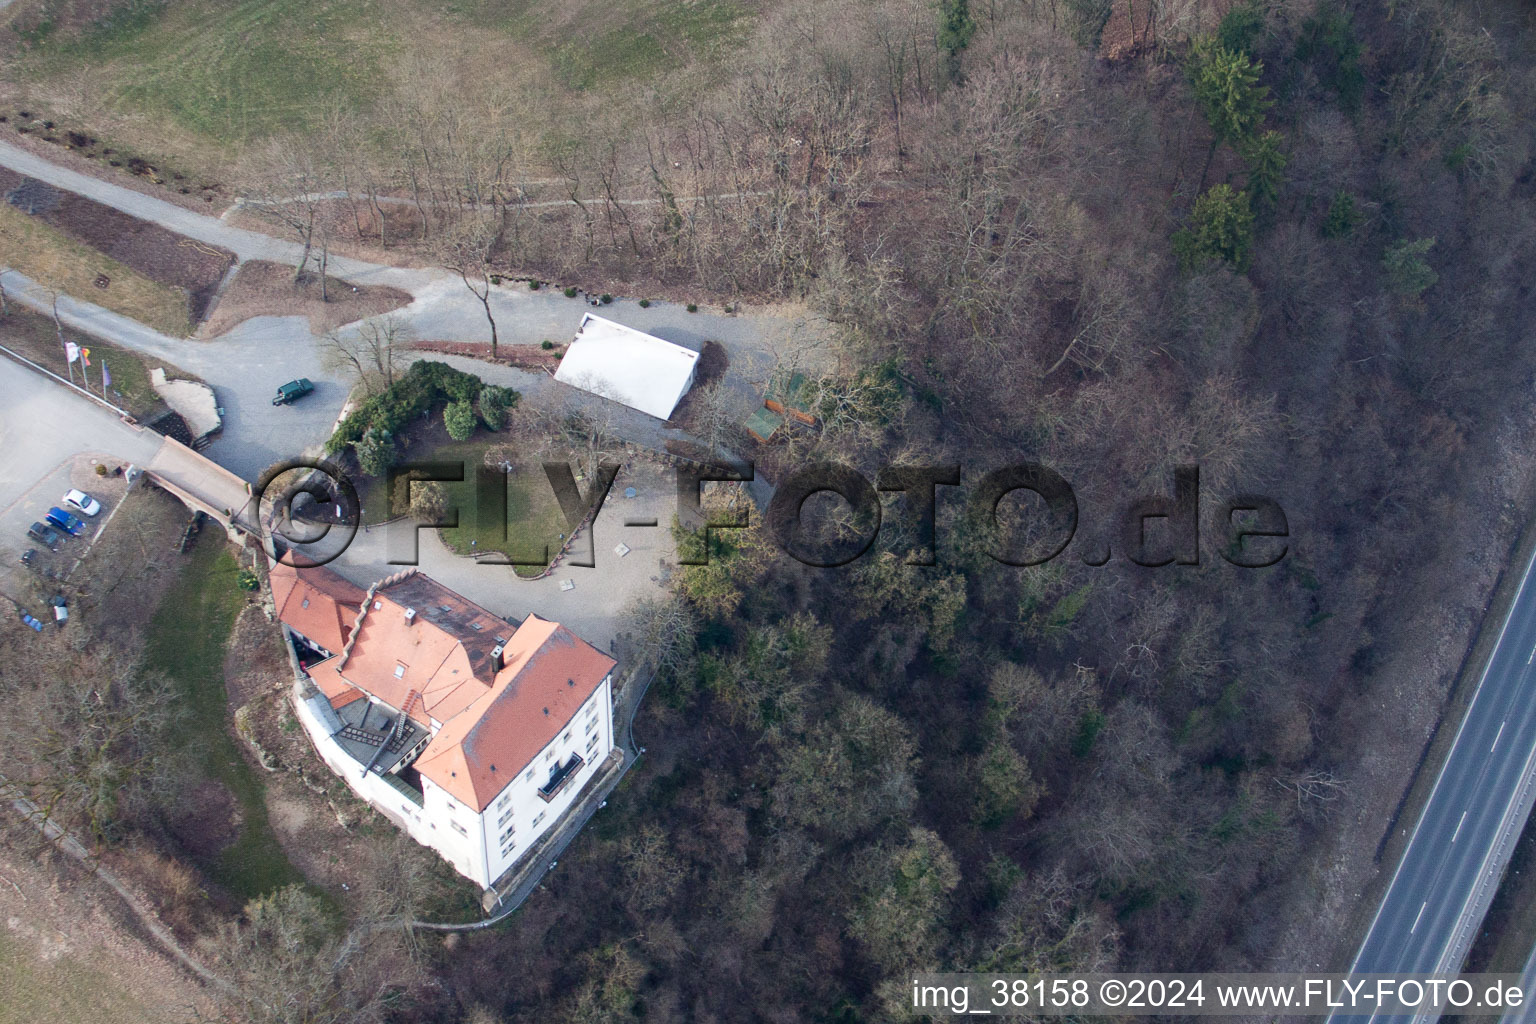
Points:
point(64, 521)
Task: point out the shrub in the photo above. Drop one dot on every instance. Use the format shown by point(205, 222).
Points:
point(101, 469)
point(645, 303)
point(533, 286)
point(423, 387)
point(429, 500)
point(546, 344)
point(247, 580)
point(459, 418)
point(570, 293)
point(494, 403)
point(693, 307)
point(607, 298)
point(495, 279)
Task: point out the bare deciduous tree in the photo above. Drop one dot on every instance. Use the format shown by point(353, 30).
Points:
point(467, 249)
point(372, 354)
point(291, 180)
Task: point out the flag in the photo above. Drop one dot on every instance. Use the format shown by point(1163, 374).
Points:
point(85, 356)
point(71, 350)
point(106, 378)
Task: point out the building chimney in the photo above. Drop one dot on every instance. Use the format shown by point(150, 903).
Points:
point(496, 658)
point(410, 616)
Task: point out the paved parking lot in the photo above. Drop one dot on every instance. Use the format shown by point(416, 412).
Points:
point(49, 437)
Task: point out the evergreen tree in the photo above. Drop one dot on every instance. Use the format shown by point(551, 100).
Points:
point(1226, 84)
point(1407, 271)
point(459, 418)
point(1343, 216)
point(956, 26)
point(375, 452)
point(1220, 228)
point(1266, 170)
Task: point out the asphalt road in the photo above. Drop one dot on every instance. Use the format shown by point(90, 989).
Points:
point(1479, 804)
point(1527, 1013)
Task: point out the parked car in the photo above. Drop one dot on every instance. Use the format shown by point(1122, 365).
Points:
point(64, 521)
point(45, 535)
point(60, 610)
point(81, 502)
point(292, 391)
point(30, 621)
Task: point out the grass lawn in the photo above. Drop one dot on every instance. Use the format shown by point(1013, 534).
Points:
point(533, 520)
point(196, 81)
point(65, 989)
point(54, 260)
point(33, 336)
point(187, 638)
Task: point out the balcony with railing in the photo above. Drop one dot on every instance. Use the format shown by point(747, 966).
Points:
point(561, 777)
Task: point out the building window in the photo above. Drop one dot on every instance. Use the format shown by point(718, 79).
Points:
point(503, 819)
point(549, 755)
point(460, 829)
point(591, 724)
point(507, 835)
point(567, 735)
point(591, 743)
point(399, 670)
point(529, 776)
point(537, 819)
point(504, 798)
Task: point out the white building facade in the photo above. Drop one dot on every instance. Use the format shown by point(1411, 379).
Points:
point(482, 846)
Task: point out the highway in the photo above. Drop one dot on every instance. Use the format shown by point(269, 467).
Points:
point(1527, 1013)
point(1458, 850)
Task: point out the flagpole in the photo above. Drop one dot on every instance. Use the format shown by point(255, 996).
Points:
point(58, 328)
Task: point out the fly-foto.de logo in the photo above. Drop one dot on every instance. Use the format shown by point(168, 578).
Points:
point(1040, 523)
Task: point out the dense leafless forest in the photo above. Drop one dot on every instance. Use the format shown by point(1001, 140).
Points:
point(1282, 241)
point(1279, 241)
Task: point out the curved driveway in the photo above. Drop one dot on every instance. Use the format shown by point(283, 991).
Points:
point(246, 364)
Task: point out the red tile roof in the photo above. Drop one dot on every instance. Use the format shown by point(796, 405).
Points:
point(316, 603)
point(550, 672)
point(491, 721)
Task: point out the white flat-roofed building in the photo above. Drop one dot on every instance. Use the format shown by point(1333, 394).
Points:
point(628, 366)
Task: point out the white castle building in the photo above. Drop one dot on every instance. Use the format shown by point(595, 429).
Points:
point(471, 733)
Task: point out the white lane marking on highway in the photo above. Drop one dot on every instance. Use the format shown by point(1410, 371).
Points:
point(1496, 736)
point(1533, 655)
point(1458, 826)
point(1417, 916)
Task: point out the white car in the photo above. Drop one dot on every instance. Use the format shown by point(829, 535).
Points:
point(82, 503)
